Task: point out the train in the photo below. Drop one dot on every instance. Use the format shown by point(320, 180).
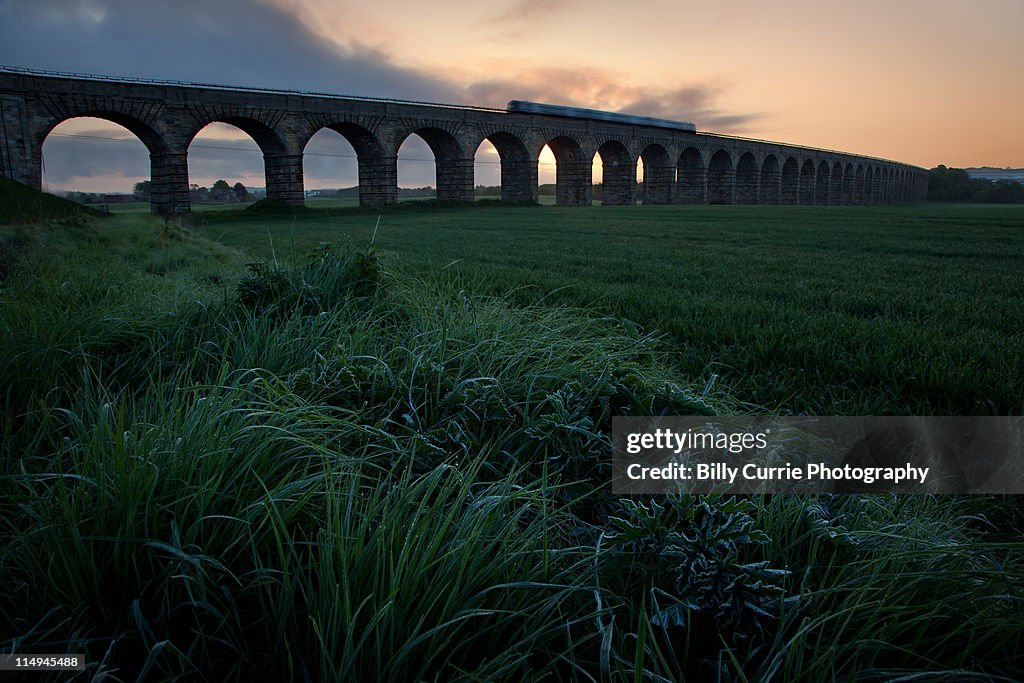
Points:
point(523, 107)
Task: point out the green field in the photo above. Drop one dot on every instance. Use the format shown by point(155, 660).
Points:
point(312, 202)
point(845, 311)
point(332, 445)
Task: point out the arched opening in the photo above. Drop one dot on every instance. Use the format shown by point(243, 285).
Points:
point(547, 171)
point(486, 172)
point(618, 170)
point(503, 160)
point(658, 175)
point(808, 182)
point(858, 186)
point(746, 179)
point(355, 165)
point(848, 183)
point(720, 178)
point(416, 170)
point(884, 193)
point(451, 177)
point(641, 176)
point(94, 160)
point(227, 166)
point(875, 185)
point(573, 172)
point(823, 184)
point(691, 181)
point(835, 189)
point(790, 186)
point(768, 189)
point(330, 169)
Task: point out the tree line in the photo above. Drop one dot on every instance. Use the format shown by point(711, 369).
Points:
point(221, 191)
point(956, 185)
point(944, 184)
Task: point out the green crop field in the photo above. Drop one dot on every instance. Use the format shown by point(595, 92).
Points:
point(815, 310)
point(332, 445)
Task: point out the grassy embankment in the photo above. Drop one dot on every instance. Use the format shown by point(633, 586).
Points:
point(337, 468)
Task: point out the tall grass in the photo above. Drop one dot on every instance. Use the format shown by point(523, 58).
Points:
point(335, 471)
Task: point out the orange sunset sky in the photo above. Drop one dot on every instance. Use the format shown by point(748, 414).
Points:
point(923, 82)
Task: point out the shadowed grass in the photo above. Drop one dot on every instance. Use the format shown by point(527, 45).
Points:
point(336, 470)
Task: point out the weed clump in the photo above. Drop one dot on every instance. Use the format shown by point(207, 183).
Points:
point(321, 282)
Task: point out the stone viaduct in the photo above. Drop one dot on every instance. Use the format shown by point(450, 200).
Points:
point(679, 166)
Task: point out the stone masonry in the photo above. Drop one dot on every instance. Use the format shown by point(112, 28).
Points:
point(680, 166)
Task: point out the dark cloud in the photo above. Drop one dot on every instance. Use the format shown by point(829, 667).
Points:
point(694, 98)
point(728, 123)
point(694, 103)
point(236, 42)
point(92, 153)
point(596, 89)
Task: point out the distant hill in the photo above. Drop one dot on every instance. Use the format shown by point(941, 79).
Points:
point(22, 204)
point(992, 173)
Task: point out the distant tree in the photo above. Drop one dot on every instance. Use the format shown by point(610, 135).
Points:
point(86, 197)
point(240, 192)
point(142, 189)
point(221, 191)
point(1001, 192)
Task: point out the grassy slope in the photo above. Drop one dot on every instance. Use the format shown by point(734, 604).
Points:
point(891, 310)
point(21, 204)
point(336, 469)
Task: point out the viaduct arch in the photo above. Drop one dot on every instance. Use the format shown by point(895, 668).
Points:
point(679, 166)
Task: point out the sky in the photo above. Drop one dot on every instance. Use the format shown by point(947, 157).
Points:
point(918, 81)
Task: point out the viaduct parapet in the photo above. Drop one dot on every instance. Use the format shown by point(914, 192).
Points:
point(679, 166)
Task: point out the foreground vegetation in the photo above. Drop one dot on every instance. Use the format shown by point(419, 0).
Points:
point(328, 465)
